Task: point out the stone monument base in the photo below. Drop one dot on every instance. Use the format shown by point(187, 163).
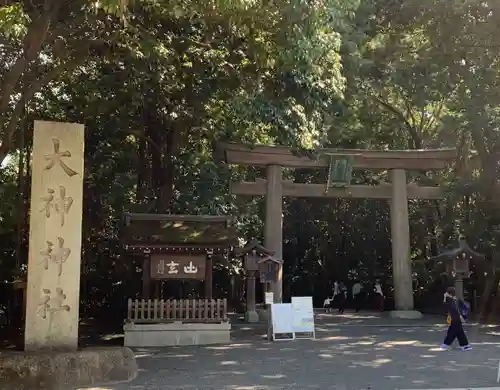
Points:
point(405, 314)
point(50, 370)
point(251, 316)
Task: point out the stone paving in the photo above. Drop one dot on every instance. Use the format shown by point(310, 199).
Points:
point(362, 355)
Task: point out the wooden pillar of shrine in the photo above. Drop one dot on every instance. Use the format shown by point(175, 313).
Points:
point(273, 234)
point(208, 276)
point(400, 237)
point(146, 276)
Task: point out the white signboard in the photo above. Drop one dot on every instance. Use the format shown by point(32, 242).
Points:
point(269, 299)
point(282, 319)
point(303, 316)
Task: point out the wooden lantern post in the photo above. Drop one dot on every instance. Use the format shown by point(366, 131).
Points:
point(253, 253)
point(461, 267)
point(458, 261)
point(251, 266)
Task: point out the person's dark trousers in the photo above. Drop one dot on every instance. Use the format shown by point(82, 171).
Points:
point(379, 302)
point(456, 331)
point(357, 302)
point(341, 303)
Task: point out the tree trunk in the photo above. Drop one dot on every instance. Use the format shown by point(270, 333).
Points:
point(489, 287)
point(156, 160)
point(495, 307)
point(152, 133)
point(36, 35)
point(142, 167)
point(166, 188)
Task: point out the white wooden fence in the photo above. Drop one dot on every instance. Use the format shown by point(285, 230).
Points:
point(170, 310)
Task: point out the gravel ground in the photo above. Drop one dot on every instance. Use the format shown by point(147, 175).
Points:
point(349, 353)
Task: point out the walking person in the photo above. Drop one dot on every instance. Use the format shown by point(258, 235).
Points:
point(341, 296)
point(335, 289)
point(356, 295)
point(327, 304)
point(457, 311)
point(379, 296)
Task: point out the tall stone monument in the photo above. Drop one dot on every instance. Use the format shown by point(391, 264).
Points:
point(53, 284)
point(55, 236)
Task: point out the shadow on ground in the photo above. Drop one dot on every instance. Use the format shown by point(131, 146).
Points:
point(340, 358)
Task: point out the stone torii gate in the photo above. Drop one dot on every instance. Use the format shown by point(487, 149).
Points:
point(274, 188)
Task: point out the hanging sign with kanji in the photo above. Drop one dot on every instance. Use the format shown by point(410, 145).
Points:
point(167, 266)
point(339, 170)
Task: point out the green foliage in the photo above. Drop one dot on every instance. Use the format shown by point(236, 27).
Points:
point(13, 21)
point(156, 82)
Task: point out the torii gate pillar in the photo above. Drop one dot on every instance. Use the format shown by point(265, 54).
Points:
point(400, 237)
point(273, 228)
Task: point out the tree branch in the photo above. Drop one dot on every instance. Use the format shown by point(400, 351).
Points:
point(413, 132)
point(27, 95)
point(423, 121)
point(435, 115)
point(392, 109)
point(31, 89)
point(32, 44)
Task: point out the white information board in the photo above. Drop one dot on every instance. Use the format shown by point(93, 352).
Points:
point(269, 298)
point(303, 317)
point(282, 319)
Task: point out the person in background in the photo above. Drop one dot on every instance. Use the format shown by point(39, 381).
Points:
point(327, 304)
point(356, 295)
point(379, 296)
point(335, 289)
point(341, 296)
point(336, 292)
point(456, 319)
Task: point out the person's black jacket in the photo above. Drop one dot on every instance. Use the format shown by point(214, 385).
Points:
point(451, 305)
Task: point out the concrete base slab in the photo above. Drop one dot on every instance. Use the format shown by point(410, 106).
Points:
point(251, 316)
point(176, 333)
point(405, 314)
point(50, 370)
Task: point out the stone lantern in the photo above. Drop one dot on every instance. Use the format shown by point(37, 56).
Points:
point(256, 259)
point(458, 261)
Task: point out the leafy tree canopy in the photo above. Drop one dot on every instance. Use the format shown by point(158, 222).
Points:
point(156, 82)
